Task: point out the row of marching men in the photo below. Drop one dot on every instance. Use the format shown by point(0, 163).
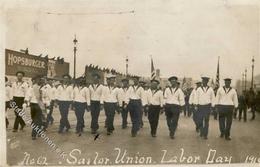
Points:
point(42, 96)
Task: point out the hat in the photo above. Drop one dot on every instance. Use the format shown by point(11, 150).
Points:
point(20, 72)
point(173, 78)
point(110, 76)
point(155, 80)
point(125, 80)
point(66, 75)
point(96, 75)
point(227, 79)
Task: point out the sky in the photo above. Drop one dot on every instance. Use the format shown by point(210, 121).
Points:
point(184, 37)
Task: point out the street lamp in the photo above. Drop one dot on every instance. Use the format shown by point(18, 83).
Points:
point(126, 65)
point(252, 80)
point(245, 78)
point(75, 50)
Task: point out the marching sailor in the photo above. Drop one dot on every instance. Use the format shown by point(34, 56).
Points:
point(226, 102)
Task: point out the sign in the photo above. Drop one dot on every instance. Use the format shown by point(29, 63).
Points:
point(31, 65)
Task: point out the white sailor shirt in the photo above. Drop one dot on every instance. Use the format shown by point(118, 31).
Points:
point(227, 96)
point(174, 96)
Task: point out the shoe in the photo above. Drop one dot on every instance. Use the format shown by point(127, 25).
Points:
point(133, 134)
point(34, 138)
point(108, 133)
point(205, 138)
point(197, 130)
point(153, 135)
point(14, 130)
point(222, 135)
point(22, 127)
point(172, 135)
point(228, 138)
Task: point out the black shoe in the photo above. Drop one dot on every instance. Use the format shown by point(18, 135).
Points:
point(171, 135)
point(153, 135)
point(197, 130)
point(221, 135)
point(22, 127)
point(34, 138)
point(109, 133)
point(60, 131)
point(14, 130)
point(133, 134)
point(205, 138)
point(228, 138)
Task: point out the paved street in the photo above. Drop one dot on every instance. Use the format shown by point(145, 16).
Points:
point(187, 147)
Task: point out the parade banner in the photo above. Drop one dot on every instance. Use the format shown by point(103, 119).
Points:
point(30, 64)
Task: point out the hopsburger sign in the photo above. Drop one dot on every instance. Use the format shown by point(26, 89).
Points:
point(30, 64)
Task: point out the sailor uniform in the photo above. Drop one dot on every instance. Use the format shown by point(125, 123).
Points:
point(19, 90)
point(155, 102)
point(95, 97)
point(226, 100)
point(192, 103)
point(204, 100)
point(64, 96)
point(33, 98)
point(124, 111)
point(174, 99)
point(135, 100)
point(8, 98)
point(111, 99)
point(81, 98)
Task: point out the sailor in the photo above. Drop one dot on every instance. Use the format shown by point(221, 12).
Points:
point(136, 101)
point(226, 103)
point(8, 98)
point(111, 99)
point(192, 105)
point(96, 104)
point(174, 99)
point(123, 96)
point(204, 101)
point(19, 89)
point(155, 105)
point(33, 99)
point(64, 97)
point(81, 99)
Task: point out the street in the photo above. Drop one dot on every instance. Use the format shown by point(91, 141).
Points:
point(121, 148)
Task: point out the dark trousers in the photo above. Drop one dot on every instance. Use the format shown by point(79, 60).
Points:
point(18, 119)
point(187, 110)
point(64, 111)
point(135, 109)
point(203, 119)
point(49, 115)
point(36, 115)
point(95, 110)
point(253, 109)
point(242, 110)
point(141, 117)
point(172, 113)
point(153, 117)
point(195, 116)
point(7, 105)
point(225, 119)
point(79, 112)
point(124, 114)
point(110, 109)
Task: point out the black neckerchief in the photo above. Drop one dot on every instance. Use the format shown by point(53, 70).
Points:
point(125, 89)
point(96, 87)
point(207, 88)
point(136, 88)
point(155, 91)
point(226, 90)
point(174, 90)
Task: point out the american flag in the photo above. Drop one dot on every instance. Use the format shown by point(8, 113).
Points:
point(153, 72)
point(184, 84)
point(217, 76)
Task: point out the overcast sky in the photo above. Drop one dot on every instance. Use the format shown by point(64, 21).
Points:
point(184, 37)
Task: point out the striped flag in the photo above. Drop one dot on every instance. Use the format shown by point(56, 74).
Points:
point(184, 84)
point(153, 72)
point(217, 76)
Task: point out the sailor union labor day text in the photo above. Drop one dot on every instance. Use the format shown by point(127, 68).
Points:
point(122, 156)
